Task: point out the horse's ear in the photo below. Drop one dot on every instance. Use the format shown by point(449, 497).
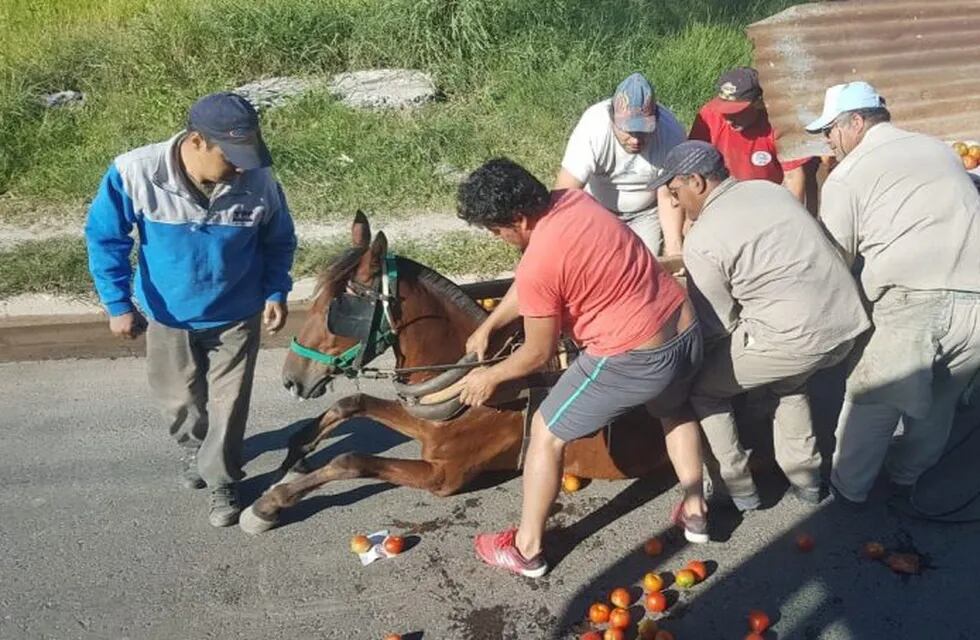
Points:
point(360, 231)
point(372, 259)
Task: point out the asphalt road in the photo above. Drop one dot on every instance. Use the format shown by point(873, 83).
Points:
point(97, 540)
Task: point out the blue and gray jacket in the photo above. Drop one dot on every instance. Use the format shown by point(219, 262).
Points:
point(197, 266)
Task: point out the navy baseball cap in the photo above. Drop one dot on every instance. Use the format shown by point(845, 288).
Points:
point(231, 122)
point(688, 158)
point(635, 105)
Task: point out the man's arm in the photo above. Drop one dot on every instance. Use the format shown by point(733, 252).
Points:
point(567, 181)
point(839, 216)
point(503, 314)
point(579, 162)
point(671, 222)
point(795, 181)
point(278, 246)
point(710, 289)
point(540, 343)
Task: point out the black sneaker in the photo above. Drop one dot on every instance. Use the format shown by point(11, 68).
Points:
point(225, 508)
point(189, 477)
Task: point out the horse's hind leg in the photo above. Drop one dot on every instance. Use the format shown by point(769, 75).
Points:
point(264, 513)
point(305, 441)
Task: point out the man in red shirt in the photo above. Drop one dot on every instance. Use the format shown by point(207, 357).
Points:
point(737, 124)
point(583, 271)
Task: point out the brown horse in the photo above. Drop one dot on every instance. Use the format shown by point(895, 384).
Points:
point(430, 319)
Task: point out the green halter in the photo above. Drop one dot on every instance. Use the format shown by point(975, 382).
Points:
point(381, 336)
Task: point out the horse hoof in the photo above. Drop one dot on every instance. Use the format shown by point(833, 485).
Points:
point(252, 524)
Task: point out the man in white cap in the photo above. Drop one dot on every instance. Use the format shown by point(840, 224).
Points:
point(614, 152)
point(905, 216)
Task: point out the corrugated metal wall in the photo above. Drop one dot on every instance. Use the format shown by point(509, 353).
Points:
point(922, 56)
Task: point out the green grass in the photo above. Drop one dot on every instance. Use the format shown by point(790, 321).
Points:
point(516, 75)
point(60, 265)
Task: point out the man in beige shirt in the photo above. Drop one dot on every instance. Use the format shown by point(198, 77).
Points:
point(904, 213)
point(780, 304)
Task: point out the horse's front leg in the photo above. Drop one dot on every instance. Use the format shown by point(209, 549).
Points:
point(306, 440)
point(264, 513)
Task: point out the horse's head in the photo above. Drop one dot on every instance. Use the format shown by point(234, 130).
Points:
point(341, 315)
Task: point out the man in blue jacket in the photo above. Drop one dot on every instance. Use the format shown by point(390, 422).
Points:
point(216, 244)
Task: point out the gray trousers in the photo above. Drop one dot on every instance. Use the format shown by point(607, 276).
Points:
point(645, 224)
point(202, 382)
point(922, 355)
point(737, 365)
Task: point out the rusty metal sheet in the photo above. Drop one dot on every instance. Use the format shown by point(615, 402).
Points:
point(923, 56)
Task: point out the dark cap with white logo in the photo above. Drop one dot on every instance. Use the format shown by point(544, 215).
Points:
point(231, 122)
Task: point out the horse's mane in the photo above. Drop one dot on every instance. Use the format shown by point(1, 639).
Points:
point(340, 269)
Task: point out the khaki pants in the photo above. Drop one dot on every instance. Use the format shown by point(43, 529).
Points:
point(922, 355)
point(202, 382)
point(738, 365)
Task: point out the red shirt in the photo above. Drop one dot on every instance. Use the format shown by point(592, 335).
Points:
point(585, 266)
point(749, 154)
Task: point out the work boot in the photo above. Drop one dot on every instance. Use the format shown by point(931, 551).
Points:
point(190, 478)
point(224, 506)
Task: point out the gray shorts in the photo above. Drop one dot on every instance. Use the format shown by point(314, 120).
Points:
point(595, 390)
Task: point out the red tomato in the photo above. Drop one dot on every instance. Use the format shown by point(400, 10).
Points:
point(656, 602)
point(613, 634)
point(805, 542)
point(394, 545)
point(590, 635)
point(599, 613)
point(620, 597)
point(653, 547)
point(758, 621)
point(699, 569)
point(874, 550)
point(619, 618)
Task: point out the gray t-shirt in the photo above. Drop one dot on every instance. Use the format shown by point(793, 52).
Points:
point(756, 257)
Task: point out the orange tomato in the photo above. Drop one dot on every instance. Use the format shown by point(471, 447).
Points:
point(758, 621)
point(873, 550)
point(394, 545)
point(646, 629)
point(960, 148)
point(613, 634)
point(685, 579)
point(699, 569)
point(969, 163)
point(393, 636)
point(805, 542)
point(590, 635)
point(663, 634)
point(655, 602)
point(488, 303)
point(360, 544)
point(653, 547)
point(974, 151)
point(570, 483)
point(599, 613)
point(620, 597)
point(653, 582)
point(619, 618)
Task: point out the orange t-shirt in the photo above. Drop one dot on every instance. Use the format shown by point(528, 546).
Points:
point(586, 266)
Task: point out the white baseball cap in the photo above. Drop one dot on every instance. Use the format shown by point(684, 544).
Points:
point(850, 96)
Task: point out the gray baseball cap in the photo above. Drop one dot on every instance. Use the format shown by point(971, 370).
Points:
point(688, 158)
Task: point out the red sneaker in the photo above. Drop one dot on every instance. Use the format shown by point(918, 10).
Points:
point(695, 527)
point(499, 550)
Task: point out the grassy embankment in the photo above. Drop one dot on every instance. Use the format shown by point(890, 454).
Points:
point(516, 75)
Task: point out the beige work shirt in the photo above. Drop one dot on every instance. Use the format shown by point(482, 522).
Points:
point(903, 202)
point(756, 257)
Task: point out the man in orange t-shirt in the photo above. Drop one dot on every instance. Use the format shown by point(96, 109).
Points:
point(585, 272)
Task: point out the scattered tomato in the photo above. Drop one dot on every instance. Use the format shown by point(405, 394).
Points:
point(646, 629)
point(619, 618)
point(685, 579)
point(758, 621)
point(653, 582)
point(663, 634)
point(571, 483)
point(805, 542)
point(360, 544)
point(488, 303)
point(394, 545)
point(393, 636)
point(590, 635)
point(599, 613)
point(655, 602)
point(909, 563)
point(873, 550)
point(960, 148)
point(969, 163)
point(974, 151)
point(653, 547)
point(620, 597)
point(699, 569)
point(613, 634)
